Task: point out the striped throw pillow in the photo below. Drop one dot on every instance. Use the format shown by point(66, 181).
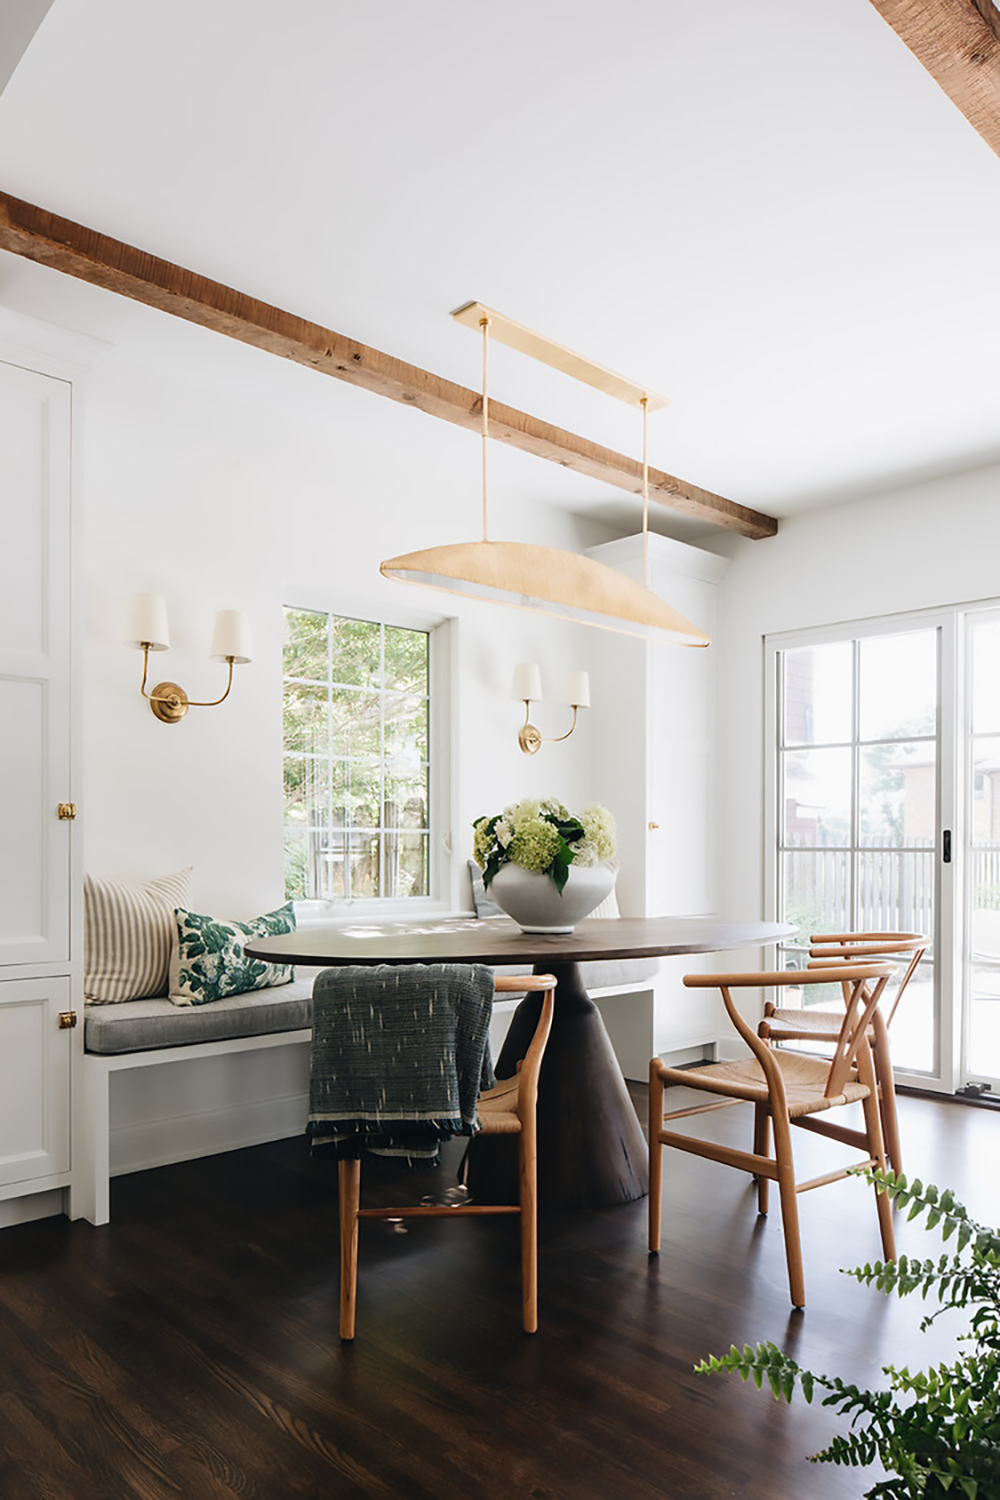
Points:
point(127, 933)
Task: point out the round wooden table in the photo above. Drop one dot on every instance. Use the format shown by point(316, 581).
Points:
point(592, 1151)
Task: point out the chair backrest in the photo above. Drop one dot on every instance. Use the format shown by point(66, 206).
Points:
point(851, 946)
point(530, 1066)
point(862, 982)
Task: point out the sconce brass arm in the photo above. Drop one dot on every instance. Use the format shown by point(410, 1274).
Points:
point(529, 738)
point(168, 700)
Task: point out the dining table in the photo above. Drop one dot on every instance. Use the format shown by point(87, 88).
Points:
point(592, 1151)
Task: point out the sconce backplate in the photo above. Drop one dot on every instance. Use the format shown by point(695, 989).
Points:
point(169, 702)
point(529, 739)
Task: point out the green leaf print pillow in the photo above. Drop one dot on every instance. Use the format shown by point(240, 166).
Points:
point(208, 963)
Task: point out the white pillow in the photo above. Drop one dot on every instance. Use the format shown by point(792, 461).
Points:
point(608, 907)
point(127, 934)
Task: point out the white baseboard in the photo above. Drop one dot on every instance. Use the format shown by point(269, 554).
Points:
point(158, 1143)
point(204, 1106)
point(33, 1206)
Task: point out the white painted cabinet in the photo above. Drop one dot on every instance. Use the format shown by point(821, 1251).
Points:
point(36, 867)
point(34, 1082)
point(654, 720)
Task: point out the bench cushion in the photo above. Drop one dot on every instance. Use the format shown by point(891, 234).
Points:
point(148, 1025)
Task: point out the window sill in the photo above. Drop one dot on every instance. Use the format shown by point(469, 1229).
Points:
point(346, 913)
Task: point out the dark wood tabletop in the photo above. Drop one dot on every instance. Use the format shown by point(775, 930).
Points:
point(500, 941)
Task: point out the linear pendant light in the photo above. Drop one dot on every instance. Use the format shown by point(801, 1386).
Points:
point(548, 580)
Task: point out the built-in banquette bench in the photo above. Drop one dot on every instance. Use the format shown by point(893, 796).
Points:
point(156, 1031)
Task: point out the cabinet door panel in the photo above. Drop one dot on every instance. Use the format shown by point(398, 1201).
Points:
point(34, 1080)
point(23, 740)
point(34, 667)
point(680, 848)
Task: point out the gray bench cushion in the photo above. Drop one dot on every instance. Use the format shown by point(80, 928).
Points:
point(148, 1025)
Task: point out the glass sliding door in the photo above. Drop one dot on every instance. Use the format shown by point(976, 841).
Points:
point(981, 1053)
point(857, 799)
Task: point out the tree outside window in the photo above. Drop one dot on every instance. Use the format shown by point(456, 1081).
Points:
point(356, 758)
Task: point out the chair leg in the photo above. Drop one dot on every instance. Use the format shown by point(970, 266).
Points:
point(887, 1094)
point(655, 1156)
point(349, 1178)
point(528, 1155)
point(789, 1209)
point(876, 1149)
point(761, 1146)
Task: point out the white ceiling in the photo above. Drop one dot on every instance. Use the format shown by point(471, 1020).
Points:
point(768, 211)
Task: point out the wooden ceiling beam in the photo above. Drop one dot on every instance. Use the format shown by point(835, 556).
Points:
point(68, 247)
point(958, 42)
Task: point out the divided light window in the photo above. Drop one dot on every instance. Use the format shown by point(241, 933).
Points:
point(356, 758)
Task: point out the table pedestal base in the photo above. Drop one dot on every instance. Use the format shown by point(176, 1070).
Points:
point(591, 1152)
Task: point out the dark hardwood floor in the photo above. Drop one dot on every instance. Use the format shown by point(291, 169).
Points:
point(189, 1350)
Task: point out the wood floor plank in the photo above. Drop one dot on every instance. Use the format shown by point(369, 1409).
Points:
point(189, 1350)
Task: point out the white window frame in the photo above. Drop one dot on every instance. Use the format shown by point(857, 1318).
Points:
point(442, 634)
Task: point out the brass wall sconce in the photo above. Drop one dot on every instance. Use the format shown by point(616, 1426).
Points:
point(148, 631)
point(527, 688)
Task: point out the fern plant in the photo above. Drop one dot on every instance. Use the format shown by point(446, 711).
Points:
point(937, 1432)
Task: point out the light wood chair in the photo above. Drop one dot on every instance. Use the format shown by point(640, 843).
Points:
point(506, 1109)
point(782, 1025)
point(786, 1088)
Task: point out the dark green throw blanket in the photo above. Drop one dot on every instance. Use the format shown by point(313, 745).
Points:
point(400, 1053)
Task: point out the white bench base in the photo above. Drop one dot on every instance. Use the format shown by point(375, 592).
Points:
point(89, 1196)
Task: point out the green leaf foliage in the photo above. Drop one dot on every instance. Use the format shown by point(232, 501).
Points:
point(936, 1432)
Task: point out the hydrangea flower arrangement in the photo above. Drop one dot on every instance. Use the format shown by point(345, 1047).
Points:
point(545, 837)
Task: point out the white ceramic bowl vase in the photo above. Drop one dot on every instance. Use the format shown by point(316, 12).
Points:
point(536, 904)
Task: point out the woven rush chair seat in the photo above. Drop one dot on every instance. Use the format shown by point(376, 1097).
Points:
point(805, 1080)
point(785, 1089)
point(823, 1026)
point(498, 1108)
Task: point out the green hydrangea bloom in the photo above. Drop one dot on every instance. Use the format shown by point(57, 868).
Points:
point(482, 842)
point(600, 831)
point(534, 845)
point(543, 836)
point(520, 814)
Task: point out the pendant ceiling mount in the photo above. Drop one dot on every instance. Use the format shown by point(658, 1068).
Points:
point(547, 580)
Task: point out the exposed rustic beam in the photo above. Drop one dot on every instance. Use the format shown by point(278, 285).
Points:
point(958, 42)
point(77, 251)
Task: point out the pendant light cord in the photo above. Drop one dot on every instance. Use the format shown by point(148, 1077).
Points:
point(644, 403)
point(484, 324)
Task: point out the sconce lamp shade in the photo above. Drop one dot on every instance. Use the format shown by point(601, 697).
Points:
point(147, 623)
point(527, 683)
point(548, 581)
point(231, 637)
point(576, 689)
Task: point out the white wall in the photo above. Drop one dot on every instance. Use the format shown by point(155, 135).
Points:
point(916, 548)
point(191, 492)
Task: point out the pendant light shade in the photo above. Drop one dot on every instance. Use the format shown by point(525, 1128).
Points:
point(548, 581)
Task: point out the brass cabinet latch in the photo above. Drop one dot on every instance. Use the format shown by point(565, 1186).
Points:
point(67, 812)
point(652, 827)
point(67, 1020)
